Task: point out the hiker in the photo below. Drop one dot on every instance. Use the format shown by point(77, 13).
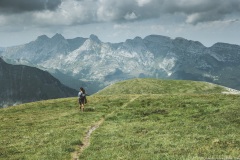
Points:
point(82, 99)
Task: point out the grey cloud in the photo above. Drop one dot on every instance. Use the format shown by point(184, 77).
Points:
point(18, 6)
point(206, 11)
point(74, 12)
point(119, 10)
point(195, 11)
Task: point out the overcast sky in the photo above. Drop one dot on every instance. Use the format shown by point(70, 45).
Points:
point(207, 21)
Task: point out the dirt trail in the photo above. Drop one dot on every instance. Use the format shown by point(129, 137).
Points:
point(86, 140)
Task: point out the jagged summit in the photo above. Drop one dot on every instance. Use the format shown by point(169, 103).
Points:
point(189, 44)
point(137, 41)
point(45, 37)
point(42, 37)
point(183, 40)
point(58, 36)
point(94, 38)
point(155, 56)
point(157, 38)
point(137, 38)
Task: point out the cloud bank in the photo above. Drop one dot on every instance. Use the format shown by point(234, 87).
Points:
point(75, 12)
point(19, 6)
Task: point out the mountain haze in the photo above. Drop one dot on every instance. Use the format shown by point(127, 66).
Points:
point(20, 84)
point(91, 60)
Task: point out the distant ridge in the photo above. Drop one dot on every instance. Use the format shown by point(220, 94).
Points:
point(20, 84)
point(91, 61)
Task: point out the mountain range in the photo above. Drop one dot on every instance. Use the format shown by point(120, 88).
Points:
point(95, 64)
point(20, 84)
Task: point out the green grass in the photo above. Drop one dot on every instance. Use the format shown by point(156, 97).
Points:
point(170, 127)
point(48, 129)
point(136, 126)
point(156, 86)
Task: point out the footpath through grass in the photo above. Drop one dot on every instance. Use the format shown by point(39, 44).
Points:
point(170, 127)
point(49, 130)
point(151, 127)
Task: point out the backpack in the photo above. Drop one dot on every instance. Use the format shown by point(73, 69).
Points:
point(83, 96)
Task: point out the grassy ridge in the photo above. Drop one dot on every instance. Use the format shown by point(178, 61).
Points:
point(156, 86)
point(170, 127)
point(136, 126)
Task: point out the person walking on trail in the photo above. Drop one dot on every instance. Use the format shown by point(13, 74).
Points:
point(81, 98)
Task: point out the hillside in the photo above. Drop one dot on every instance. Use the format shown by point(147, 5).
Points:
point(157, 86)
point(127, 126)
point(21, 84)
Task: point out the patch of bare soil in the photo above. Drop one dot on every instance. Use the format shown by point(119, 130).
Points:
point(86, 140)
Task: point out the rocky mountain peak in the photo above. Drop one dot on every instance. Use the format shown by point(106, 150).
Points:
point(225, 45)
point(137, 41)
point(58, 44)
point(157, 38)
point(42, 38)
point(185, 44)
point(94, 38)
point(137, 38)
point(89, 59)
point(58, 37)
